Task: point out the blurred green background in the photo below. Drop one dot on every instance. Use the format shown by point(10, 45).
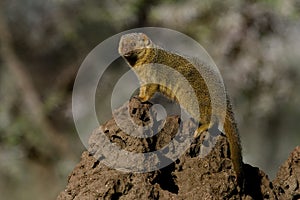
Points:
point(255, 44)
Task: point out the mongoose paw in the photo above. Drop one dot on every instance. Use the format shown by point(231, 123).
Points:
point(200, 130)
point(143, 98)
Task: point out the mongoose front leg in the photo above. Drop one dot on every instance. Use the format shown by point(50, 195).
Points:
point(147, 91)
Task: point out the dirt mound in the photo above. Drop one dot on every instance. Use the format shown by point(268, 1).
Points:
point(188, 177)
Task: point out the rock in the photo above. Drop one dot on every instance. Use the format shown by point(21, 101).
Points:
point(287, 182)
point(187, 176)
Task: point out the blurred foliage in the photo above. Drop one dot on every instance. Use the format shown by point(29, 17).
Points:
point(254, 43)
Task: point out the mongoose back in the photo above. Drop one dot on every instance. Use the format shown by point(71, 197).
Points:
point(138, 50)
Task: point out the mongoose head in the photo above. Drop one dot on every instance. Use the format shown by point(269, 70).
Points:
point(134, 47)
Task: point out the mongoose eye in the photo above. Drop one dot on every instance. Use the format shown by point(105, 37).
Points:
point(133, 44)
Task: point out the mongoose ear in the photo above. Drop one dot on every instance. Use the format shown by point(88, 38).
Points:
point(146, 40)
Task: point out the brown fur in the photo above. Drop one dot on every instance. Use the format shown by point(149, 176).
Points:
point(138, 50)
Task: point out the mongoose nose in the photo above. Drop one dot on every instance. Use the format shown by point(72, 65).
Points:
point(122, 49)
